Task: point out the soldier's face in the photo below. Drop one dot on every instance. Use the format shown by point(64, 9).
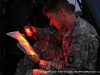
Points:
point(56, 19)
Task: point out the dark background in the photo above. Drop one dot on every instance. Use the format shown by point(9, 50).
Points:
point(14, 15)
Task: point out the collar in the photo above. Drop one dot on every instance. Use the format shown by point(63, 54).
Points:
point(71, 30)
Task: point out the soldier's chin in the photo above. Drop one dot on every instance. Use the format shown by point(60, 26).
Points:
point(57, 28)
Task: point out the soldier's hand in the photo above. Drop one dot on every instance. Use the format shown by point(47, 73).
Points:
point(44, 64)
point(39, 72)
point(30, 30)
point(34, 58)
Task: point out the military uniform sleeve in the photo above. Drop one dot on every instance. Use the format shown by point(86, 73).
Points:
point(46, 35)
point(84, 57)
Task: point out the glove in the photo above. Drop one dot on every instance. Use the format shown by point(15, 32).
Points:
point(34, 58)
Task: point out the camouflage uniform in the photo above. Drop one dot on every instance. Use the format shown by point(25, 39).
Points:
point(78, 53)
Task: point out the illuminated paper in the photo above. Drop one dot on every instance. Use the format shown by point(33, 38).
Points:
point(23, 42)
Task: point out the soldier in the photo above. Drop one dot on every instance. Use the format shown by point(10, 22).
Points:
point(72, 48)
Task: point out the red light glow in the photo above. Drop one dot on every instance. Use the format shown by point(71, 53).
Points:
point(28, 30)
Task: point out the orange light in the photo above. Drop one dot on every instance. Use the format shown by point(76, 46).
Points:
point(32, 53)
point(28, 30)
point(25, 43)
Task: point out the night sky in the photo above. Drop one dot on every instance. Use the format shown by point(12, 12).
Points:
point(73, 2)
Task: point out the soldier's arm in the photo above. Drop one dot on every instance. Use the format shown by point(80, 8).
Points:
point(44, 34)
